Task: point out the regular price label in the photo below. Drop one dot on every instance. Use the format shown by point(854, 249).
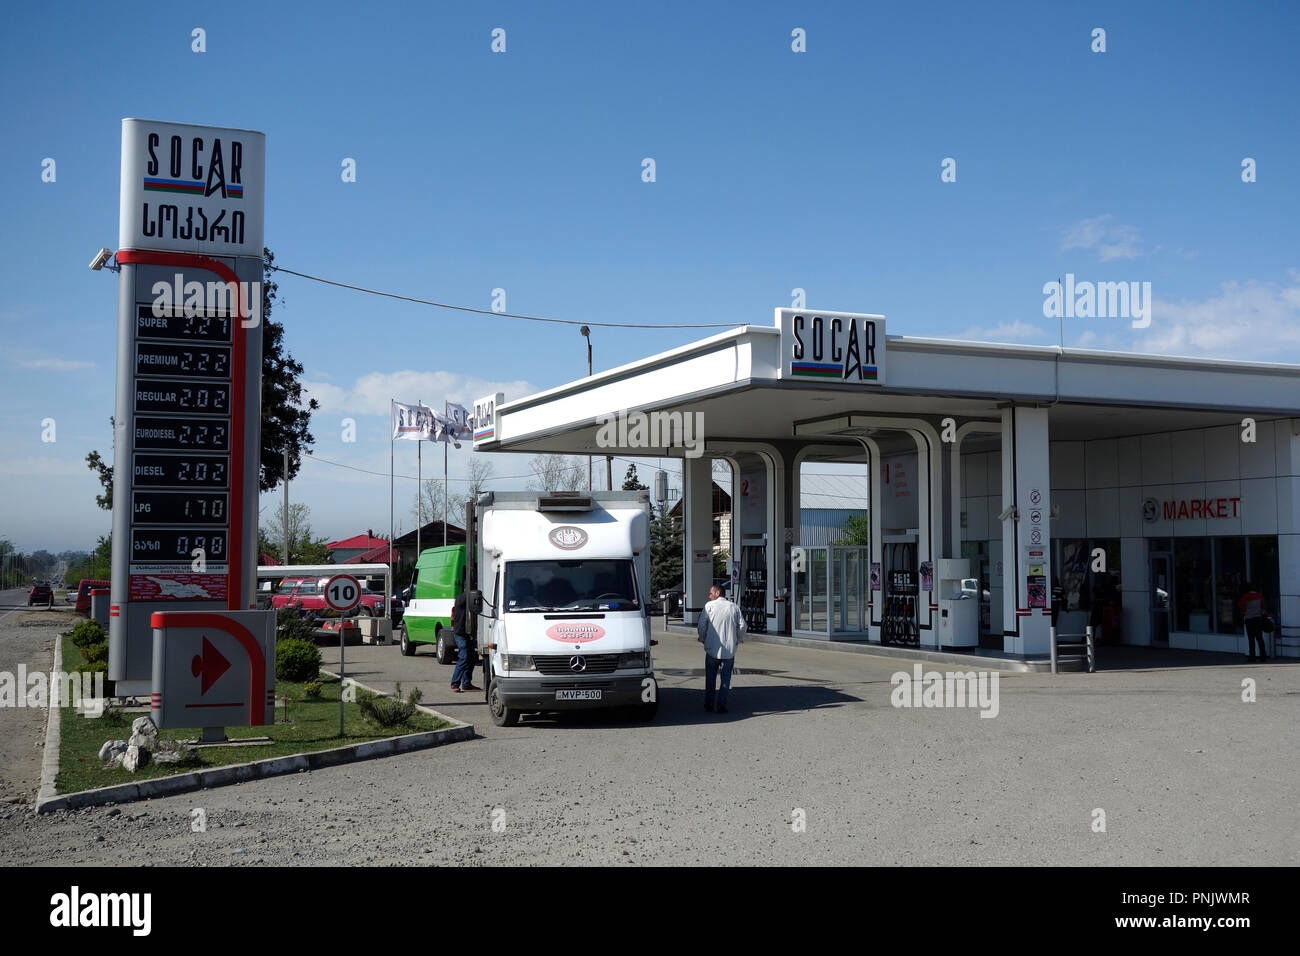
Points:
point(159, 395)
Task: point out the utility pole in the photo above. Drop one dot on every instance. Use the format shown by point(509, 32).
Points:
point(586, 334)
point(285, 554)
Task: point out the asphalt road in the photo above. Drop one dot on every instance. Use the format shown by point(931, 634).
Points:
point(1185, 772)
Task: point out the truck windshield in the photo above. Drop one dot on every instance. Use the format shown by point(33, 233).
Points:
point(601, 584)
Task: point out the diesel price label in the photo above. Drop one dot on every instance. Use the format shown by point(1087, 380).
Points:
point(195, 471)
point(182, 435)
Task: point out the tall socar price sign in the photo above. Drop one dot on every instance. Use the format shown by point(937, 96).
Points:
point(189, 359)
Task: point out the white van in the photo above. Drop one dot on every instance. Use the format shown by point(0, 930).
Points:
point(563, 622)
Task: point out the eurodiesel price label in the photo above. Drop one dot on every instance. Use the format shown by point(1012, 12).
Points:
point(179, 507)
point(176, 324)
point(171, 433)
point(196, 471)
point(159, 395)
point(176, 546)
point(196, 361)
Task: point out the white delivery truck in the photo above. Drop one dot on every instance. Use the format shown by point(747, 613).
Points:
point(560, 583)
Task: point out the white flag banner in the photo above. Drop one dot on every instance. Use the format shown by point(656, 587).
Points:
point(413, 422)
point(458, 416)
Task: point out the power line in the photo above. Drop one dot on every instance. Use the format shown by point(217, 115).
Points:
point(380, 474)
point(510, 315)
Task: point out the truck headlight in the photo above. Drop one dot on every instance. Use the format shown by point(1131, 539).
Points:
point(635, 659)
point(518, 662)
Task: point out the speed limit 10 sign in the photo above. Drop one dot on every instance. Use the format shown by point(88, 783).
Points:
point(342, 592)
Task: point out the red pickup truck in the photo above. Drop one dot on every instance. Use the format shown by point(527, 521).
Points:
point(310, 592)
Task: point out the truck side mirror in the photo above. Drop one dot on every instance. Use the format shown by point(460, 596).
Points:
point(476, 601)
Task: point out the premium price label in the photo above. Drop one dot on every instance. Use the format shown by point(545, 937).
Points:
point(157, 395)
point(173, 433)
point(194, 361)
point(175, 324)
point(179, 507)
point(197, 471)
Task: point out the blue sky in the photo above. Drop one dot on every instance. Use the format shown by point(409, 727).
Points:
point(522, 171)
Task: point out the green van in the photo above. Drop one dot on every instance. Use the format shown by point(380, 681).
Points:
point(439, 577)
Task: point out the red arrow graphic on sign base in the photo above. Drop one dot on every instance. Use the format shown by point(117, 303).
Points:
point(208, 667)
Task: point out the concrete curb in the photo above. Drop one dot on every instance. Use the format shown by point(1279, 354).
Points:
point(990, 661)
point(53, 735)
point(257, 770)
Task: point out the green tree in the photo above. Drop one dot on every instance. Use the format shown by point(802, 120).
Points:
point(631, 481)
point(722, 563)
point(666, 543)
point(286, 416)
point(857, 530)
point(303, 547)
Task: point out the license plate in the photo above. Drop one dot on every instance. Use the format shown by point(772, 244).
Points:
point(577, 695)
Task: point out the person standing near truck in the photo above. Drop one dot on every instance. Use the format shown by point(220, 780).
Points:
point(461, 676)
point(721, 627)
point(1251, 604)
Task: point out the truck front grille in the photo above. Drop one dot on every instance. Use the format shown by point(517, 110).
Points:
point(556, 665)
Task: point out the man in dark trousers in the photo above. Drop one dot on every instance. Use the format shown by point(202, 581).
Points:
point(465, 659)
point(1251, 604)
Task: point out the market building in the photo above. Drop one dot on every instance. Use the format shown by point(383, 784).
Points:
point(1140, 491)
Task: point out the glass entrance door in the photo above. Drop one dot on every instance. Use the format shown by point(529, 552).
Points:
point(1161, 598)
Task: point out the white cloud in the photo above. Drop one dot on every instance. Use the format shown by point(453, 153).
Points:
point(1099, 234)
point(1004, 332)
point(56, 364)
point(33, 466)
point(370, 394)
point(1251, 320)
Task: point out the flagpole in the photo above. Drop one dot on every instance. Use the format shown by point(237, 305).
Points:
point(392, 582)
point(419, 494)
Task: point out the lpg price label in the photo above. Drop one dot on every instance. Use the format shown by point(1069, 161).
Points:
point(179, 507)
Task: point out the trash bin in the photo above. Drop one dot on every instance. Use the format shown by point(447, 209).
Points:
point(99, 606)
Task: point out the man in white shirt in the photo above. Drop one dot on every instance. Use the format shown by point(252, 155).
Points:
point(721, 627)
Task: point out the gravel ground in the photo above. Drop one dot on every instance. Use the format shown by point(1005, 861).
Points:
point(26, 637)
point(1187, 774)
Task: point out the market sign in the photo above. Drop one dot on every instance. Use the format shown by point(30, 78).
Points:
point(839, 348)
point(1182, 509)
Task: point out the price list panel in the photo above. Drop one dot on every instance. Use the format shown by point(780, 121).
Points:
point(181, 444)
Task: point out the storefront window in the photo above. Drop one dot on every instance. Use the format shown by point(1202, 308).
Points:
point(1229, 576)
point(1264, 569)
point(1072, 567)
point(1193, 577)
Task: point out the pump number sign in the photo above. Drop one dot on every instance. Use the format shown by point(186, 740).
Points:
point(342, 592)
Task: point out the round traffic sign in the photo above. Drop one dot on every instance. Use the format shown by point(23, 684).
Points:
point(342, 592)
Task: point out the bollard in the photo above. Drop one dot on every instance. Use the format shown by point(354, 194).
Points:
point(1052, 644)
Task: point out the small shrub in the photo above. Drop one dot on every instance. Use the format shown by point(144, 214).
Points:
point(95, 653)
point(290, 625)
point(91, 667)
point(389, 711)
point(313, 689)
point(297, 660)
point(86, 633)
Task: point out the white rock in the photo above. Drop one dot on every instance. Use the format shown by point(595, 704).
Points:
point(144, 725)
point(143, 741)
point(111, 749)
point(134, 758)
